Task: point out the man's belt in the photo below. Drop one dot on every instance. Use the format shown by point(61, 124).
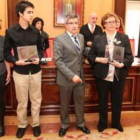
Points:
point(1, 61)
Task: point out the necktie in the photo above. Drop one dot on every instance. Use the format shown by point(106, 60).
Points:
point(76, 43)
point(92, 28)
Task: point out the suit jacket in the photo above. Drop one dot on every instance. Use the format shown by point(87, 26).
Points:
point(68, 61)
point(98, 50)
point(88, 36)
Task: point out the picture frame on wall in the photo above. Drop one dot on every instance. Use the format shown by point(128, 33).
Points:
point(64, 7)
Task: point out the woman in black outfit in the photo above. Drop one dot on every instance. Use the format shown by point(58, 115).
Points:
point(4, 80)
point(109, 73)
point(39, 23)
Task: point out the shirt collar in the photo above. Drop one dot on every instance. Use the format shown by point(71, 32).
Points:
point(18, 26)
point(70, 34)
point(89, 25)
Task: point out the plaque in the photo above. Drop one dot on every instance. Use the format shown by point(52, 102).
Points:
point(27, 53)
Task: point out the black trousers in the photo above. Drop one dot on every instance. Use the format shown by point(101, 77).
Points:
point(116, 89)
point(2, 90)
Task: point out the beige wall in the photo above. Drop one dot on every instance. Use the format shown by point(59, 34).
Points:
point(3, 15)
point(45, 10)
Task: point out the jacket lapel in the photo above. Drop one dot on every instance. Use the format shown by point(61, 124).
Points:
point(118, 38)
point(70, 42)
point(87, 29)
point(81, 43)
point(103, 40)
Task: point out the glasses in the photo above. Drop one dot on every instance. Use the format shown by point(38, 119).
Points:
point(94, 18)
point(72, 23)
point(110, 22)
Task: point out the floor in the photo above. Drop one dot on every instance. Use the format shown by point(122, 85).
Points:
point(51, 124)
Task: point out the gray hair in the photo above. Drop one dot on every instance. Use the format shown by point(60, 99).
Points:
point(71, 16)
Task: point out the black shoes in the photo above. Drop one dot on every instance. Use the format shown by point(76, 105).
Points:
point(62, 132)
point(84, 129)
point(2, 130)
point(101, 129)
point(36, 131)
point(20, 132)
point(120, 128)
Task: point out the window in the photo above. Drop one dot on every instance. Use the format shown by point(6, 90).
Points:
point(132, 28)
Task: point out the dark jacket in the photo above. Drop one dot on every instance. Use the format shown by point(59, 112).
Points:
point(88, 36)
point(98, 50)
point(45, 40)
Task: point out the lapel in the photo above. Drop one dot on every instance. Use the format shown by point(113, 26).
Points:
point(103, 40)
point(118, 38)
point(81, 43)
point(71, 43)
point(87, 29)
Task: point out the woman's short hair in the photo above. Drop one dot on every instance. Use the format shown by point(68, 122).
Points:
point(106, 16)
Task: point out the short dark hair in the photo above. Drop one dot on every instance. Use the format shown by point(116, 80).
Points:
point(21, 6)
point(37, 19)
point(71, 16)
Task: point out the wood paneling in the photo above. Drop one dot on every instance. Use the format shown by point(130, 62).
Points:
point(50, 92)
point(12, 17)
point(120, 8)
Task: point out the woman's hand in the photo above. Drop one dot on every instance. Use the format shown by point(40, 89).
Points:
point(117, 64)
point(101, 60)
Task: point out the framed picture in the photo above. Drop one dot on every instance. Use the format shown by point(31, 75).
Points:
point(64, 7)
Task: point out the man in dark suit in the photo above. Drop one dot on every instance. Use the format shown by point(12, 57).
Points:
point(90, 29)
point(68, 54)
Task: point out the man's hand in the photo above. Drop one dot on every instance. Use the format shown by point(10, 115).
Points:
point(77, 79)
point(35, 61)
point(27, 62)
point(8, 78)
point(89, 43)
point(22, 63)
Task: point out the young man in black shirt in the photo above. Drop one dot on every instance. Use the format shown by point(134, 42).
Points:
point(26, 74)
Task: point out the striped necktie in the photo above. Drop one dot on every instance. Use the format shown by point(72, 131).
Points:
point(76, 43)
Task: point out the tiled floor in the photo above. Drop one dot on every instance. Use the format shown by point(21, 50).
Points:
point(51, 123)
point(50, 126)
